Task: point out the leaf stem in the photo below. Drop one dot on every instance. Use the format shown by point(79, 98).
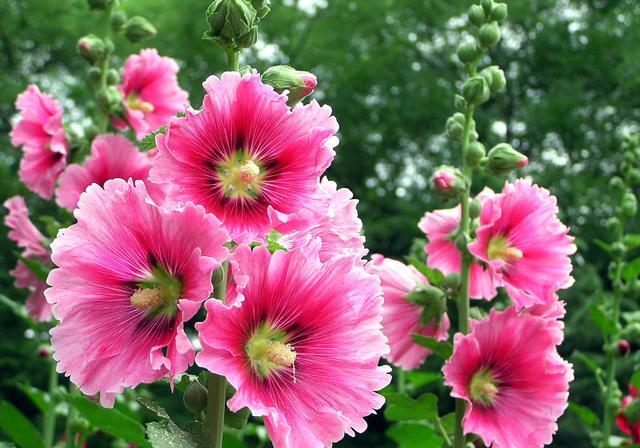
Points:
point(50, 416)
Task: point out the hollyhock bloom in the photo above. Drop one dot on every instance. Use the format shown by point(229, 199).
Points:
point(515, 383)
point(526, 246)
point(112, 156)
point(300, 341)
point(401, 318)
point(331, 216)
point(442, 253)
point(628, 420)
point(41, 135)
point(150, 91)
point(246, 153)
point(553, 311)
point(129, 275)
point(28, 237)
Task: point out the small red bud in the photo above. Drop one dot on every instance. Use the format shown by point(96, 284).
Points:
point(624, 348)
point(43, 352)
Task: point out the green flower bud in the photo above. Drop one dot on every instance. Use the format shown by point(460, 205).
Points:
point(475, 152)
point(138, 28)
point(298, 83)
point(494, 77)
point(461, 242)
point(262, 7)
point(476, 15)
point(613, 224)
point(113, 77)
point(629, 206)
point(118, 20)
point(433, 301)
point(467, 52)
point(489, 34)
point(454, 129)
point(98, 5)
point(448, 181)
point(231, 20)
point(503, 159)
point(616, 184)
point(459, 103)
point(499, 12)
point(618, 249)
point(92, 48)
point(473, 135)
point(102, 98)
point(248, 39)
point(79, 425)
point(195, 398)
point(115, 97)
point(633, 177)
point(452, 281)
point(475, 207)
point(487, 5)
point(476, 90)
point(94, 74)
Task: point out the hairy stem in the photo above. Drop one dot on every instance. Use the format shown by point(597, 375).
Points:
point(50, 416)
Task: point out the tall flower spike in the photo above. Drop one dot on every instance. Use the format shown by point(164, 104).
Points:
point(129, 275)
point(246, 153)
point(300, 341)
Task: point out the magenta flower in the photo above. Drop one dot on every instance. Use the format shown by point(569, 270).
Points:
point(150, 91)
point(130, 274)
point(41, 135)
point(246, 153)
point(112, 156)
point(526, 246)
point(515, 383)
point(331, 216)
point(402, 318)
point(300, 341)
point(439, 226)
point(31, 241)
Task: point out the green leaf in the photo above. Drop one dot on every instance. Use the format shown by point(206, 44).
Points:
point(441, 348)
point(449, 422)
point(51, 225)
point(38, 397)
point(585, 414)
point(419, 379)
point(631, 270)
point(602, 321)
point(149, 141)
point(272, 241)
point(166, 434)
point(110, 420)
point(230, 440)
point(587, 362)
point(436, 278)
point(632, 241)
point(17, 308)
point(35, 266)
point(18, 427)
point(154, 407)
point(635, 380)
point(603, 245)
point(400, 407)
point(414, 435)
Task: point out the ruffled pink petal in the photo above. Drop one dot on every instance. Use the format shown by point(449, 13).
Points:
point(23, 232)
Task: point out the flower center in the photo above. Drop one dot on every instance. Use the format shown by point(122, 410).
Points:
point(483, 387)
point(135, 103)
point(499, 249)
point(268, 351)
point(158, 294)
point(241, 176)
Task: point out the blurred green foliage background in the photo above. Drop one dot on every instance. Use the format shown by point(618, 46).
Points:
point(387, 69)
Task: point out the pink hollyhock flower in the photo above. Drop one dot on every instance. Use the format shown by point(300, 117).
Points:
point(129, 275)
point(401, 318)
point(515, 383)
point(442, 253)
point(150, 91)
point(41, 135)
point(331, 216)
point(553, 311)
point(28, 237)
point(628, 420)
point(300, 341)
point(246, 153)
point(526, 246)
point(112, 156)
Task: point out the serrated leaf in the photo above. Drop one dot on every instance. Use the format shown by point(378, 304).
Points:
point(585, 414)
point(110, 420)
point(631, 270)
point(166, 434)
point(602, 321)
point(414, 435)
point(441, 348)
point(401, 407)
point(18, 427)
point(149, 141)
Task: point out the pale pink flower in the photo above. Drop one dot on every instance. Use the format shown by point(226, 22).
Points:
point(41, 135)
point(515, 383)
point(524, 243)
point(129, 275)
point(401, 318)
point(439, 226)
point(112, 156)
point(150, 91)
point(331, 215)
point(300, 341)
point(245, 153)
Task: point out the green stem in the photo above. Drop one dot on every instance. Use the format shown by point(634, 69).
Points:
point(402, 381)
point(71, 415)
point(443, 431)
point(103, 115)
point(233, 59)
point(50, 416)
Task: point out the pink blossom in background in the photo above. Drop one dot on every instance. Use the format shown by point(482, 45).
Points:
point(112, 156)
point(150, 92)
point(129, 275)
point(515, 383)
point(246, 153)
point(442, 253)
point(526, 246)
point(300, 341)
point(331, 215)
point(38, 308)
point(41, 135)
point(400, 317)
point(629, 424)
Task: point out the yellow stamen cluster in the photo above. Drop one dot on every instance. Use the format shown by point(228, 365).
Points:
point(499, 249)
point(135, 103)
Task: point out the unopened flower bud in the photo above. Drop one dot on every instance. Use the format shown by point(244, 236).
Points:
point(459, 103)
point(503, 159)
point(475, 152)
point(98, 4)
point(94, 74)
point(43, 351)
point(618, 249)
point(487, 5)
point(499, 12)
point(262, 7)
point(79, 425)
point(448, 181)
point(118, 21)
point(629, 206)
point(138, 28)
point(452, 280)
point(467, 51)
point(476, 15)
point(494, 77)
point(613, 224)
point(461, 242)
point(475, 207)
point(230, 21)
point(91, 48)
point(298, 83)
point(624, 348)
point(633, 177)
point(616, 184)
point(489, 34)
point(195, 398)
point(476, 90)
point(113, 77)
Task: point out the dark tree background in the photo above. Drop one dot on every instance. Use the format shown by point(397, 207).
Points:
point(386, 68)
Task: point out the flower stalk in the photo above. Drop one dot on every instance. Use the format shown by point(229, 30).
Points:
point(50, 416)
